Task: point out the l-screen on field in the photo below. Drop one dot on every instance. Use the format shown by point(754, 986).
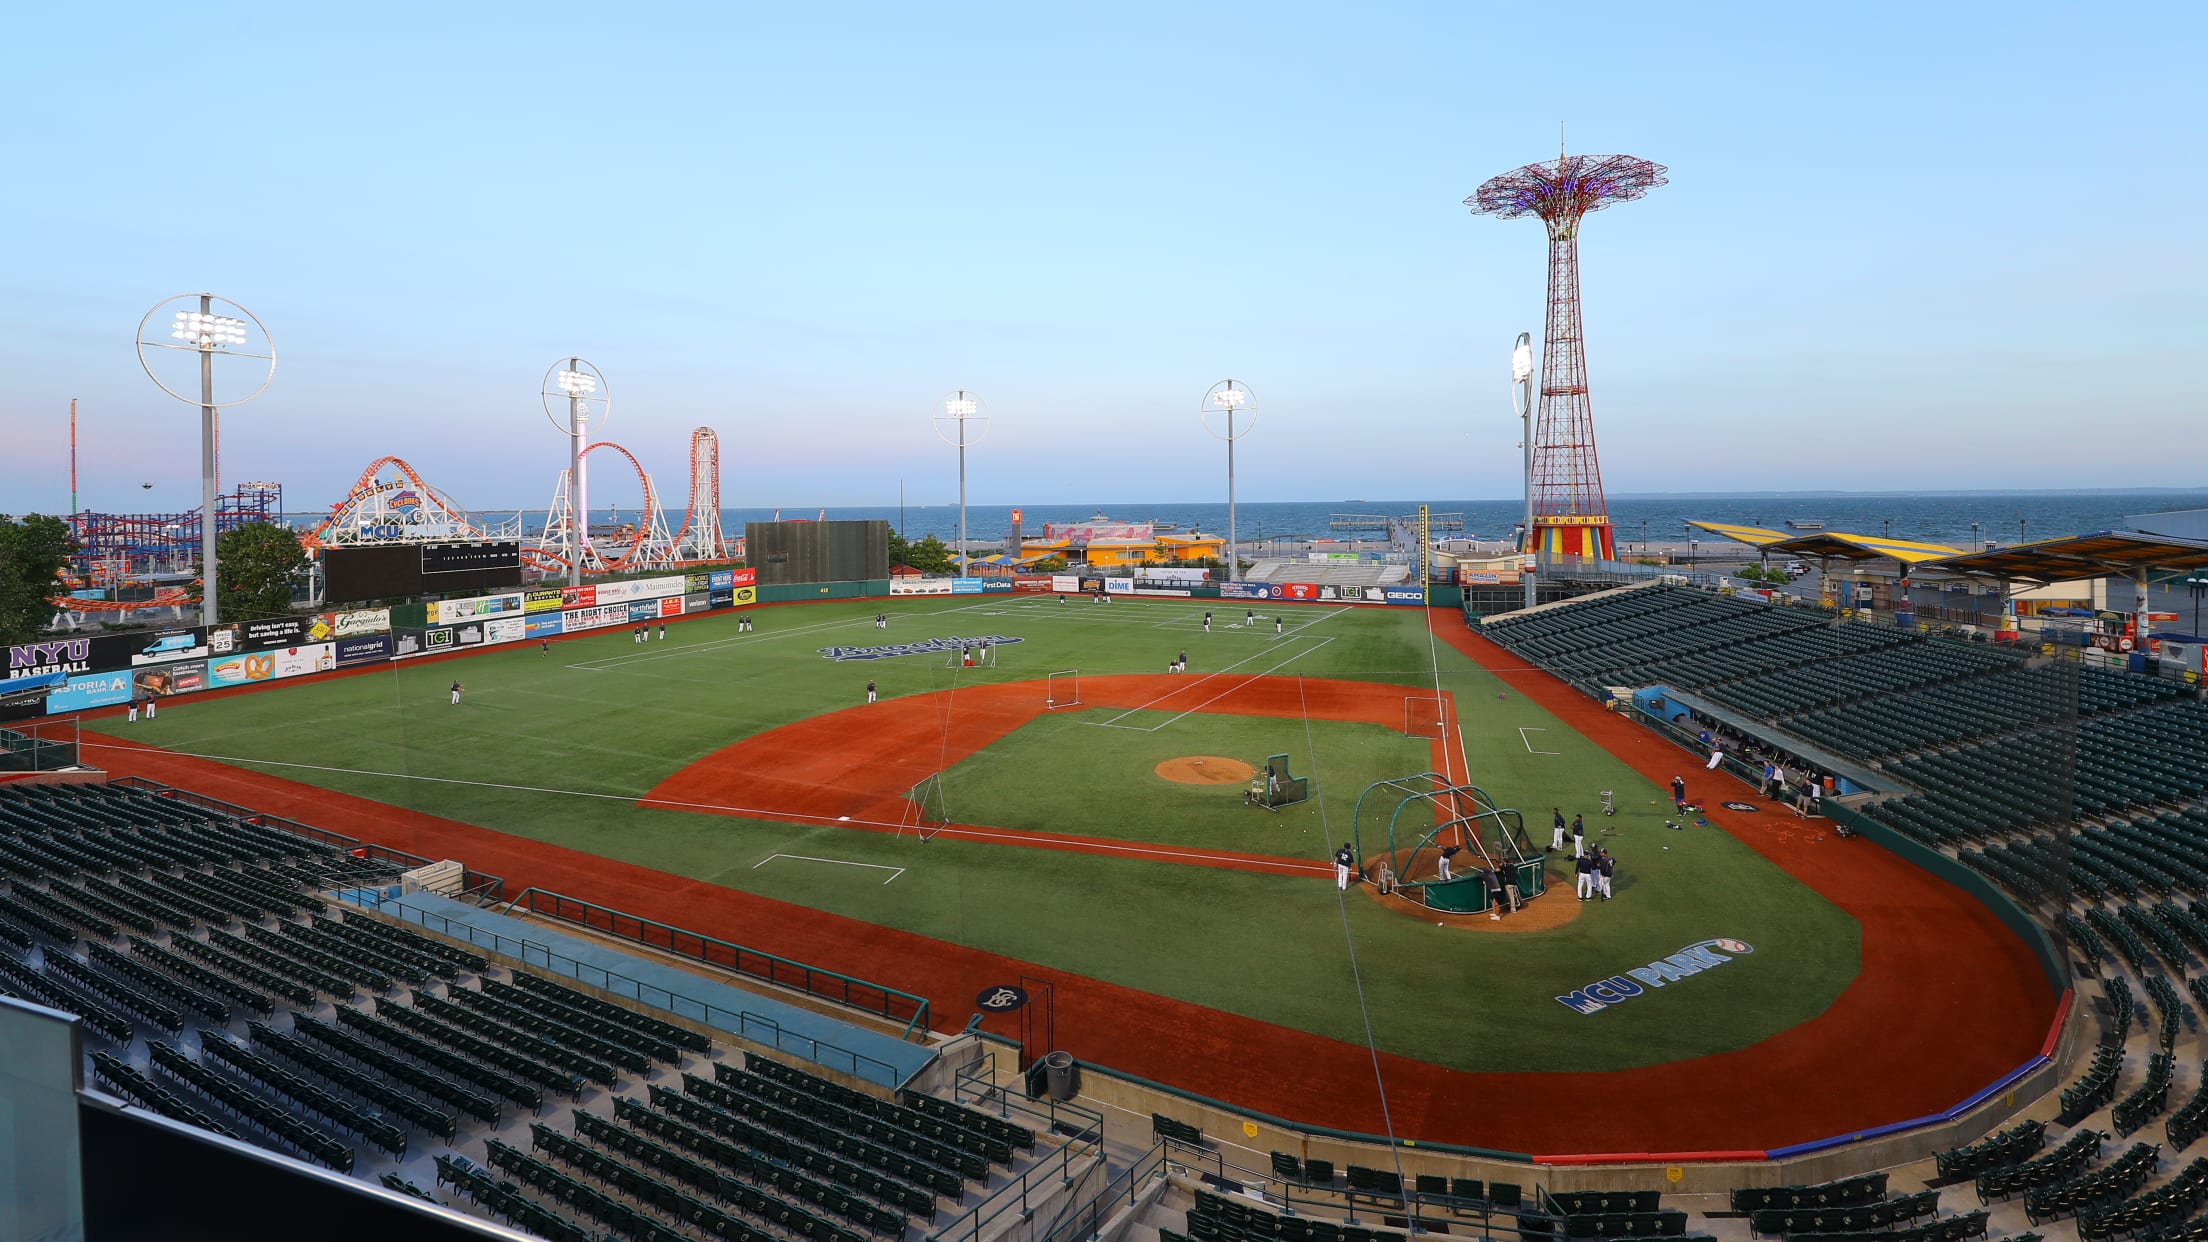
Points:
point(1107, 834)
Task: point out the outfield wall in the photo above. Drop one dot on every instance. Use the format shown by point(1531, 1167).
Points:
point(112, 670)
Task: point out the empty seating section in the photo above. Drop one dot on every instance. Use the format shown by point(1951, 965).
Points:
point(2045, 1169)
point(1854, 1218)
point(1617, 638)
point(2011, 1146)
point(2180, 1197)
point(151, 917)
point(2119, 1177)
point(1848, 1192)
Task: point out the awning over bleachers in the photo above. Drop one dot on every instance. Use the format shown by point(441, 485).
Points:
point(2109, 554)
point(1753, 536)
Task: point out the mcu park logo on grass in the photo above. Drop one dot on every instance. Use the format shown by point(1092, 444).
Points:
point(925, 647)
point(1693, 960)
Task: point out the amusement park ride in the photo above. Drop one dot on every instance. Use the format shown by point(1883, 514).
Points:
point(128, 562)
point(393, 504)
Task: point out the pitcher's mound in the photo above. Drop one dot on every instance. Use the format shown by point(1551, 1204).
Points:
point(1205, 770)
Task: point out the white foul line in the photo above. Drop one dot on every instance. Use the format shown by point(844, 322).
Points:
point(1529, 741)
point(840, 862)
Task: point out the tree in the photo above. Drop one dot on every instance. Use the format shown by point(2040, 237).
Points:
point(930, 556)
point(259, 562)
point(1049, 565)
point(33, 552)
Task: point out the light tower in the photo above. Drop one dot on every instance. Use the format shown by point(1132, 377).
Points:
point(964, 420)
point(1569, 515)
point(204, 336)
point(573, 393)
point(1222, 401)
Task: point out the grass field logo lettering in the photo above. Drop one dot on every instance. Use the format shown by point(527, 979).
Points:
point(1693, 960)
point(927, 646)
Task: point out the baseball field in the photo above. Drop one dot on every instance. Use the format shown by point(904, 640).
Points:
point(1086, 821)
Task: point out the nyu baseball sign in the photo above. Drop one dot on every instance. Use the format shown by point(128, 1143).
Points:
point(1692, 960)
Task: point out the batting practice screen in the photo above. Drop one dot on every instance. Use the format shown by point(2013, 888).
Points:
point(817, 551)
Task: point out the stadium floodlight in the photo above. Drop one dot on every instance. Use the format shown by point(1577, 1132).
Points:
point(1521, 401)
point(1222, 403)
point(963, 421)
point(575, 392)
point(207, 336)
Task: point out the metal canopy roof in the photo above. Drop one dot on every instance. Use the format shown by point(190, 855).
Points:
point(1844, 546)
point(2121, 553)
point(1755, 536)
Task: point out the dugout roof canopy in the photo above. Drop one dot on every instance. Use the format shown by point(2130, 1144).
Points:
point(2122, 553)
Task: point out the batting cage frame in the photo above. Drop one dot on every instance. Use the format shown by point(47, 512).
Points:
point(1460, 815)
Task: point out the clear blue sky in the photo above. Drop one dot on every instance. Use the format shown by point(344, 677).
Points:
point(1909, 245)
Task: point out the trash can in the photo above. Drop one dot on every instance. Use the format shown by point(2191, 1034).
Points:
point(1062, 1075)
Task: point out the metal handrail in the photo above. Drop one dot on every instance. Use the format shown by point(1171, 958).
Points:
point(862, 995)
point(757, 1028)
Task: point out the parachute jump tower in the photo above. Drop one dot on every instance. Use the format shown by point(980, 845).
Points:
point(1570, 518)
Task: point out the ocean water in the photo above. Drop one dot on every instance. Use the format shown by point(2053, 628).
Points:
point(1921, 516)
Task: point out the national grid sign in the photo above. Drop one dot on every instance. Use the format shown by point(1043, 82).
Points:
point(1618, 989)
point(924, 647)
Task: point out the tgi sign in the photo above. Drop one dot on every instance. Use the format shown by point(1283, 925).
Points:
point(1618, 989)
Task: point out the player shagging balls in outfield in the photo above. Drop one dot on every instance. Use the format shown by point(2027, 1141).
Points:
point(870, 692)
point(456, 694)
point(1345, 861)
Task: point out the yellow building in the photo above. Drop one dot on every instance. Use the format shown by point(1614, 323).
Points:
point(1121, 545)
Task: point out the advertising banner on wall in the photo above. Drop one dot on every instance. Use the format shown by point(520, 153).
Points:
point(549, 600)
point(643, 610)
point(58, 655)
point(272, 633)
point(87, 691)
point(505, 630)
point(722, 599)
point(299, 661)
point(1119, 585)
point(405, 643)
point(369, 649)
point(1302, 591)
point(353, 624)
point(965, 586)
point(1247, 590)
point(692, 584)
point(545, 626)
point(1183, 592)
point(1395, 595)
point(468, 634)
point(451, 611)
point(437, 640)
point(595, 617)
point(186, 644)
point(641, 588)
point(743, 596)
point(697, 601)
point(920, 586)
point(995, 586)
point(168, 680)
point(1065, 582)
point(245, 668)
point(720, 580)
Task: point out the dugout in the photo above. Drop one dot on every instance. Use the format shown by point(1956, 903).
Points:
point(787, 553)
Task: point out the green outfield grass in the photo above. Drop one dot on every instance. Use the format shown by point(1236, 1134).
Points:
point(555, 747)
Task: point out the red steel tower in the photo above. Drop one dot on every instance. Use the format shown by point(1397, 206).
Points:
point(1569, 515)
